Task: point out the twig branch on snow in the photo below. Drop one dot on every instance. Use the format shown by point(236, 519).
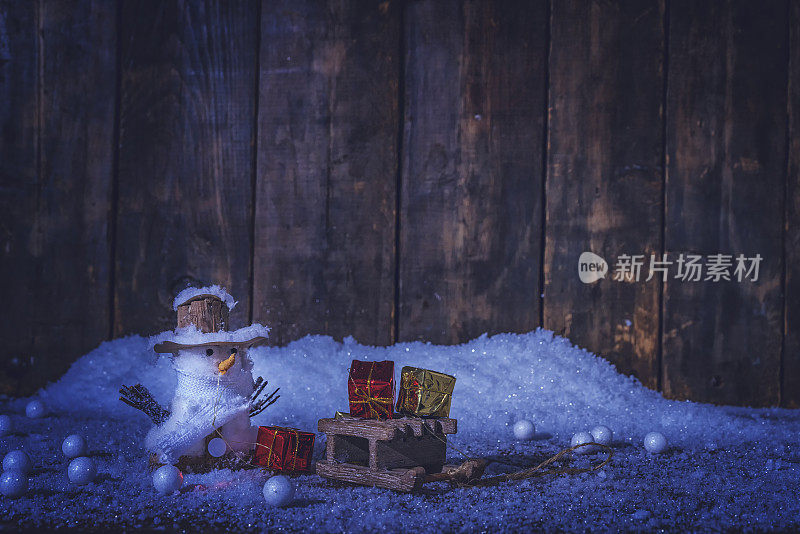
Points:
point(140, 398)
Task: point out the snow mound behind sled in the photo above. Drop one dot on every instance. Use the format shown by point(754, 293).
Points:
point(500, 379)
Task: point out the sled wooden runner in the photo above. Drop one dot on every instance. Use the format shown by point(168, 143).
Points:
point(395, 454)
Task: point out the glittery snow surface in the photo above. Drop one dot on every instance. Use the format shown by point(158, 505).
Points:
point(726, 468)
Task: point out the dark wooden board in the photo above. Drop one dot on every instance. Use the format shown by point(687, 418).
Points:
point(791, 351)
point(726, 139)
point(19, 58)
point(470, 213)
point(188, 99)
point(61, 60)
point(604, 180)
point(327, 165)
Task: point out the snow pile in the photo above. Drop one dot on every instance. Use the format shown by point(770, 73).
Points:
point(500, 379)
point(727, 468)
point(191, 292)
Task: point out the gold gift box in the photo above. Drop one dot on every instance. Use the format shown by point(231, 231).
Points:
point(425, 393)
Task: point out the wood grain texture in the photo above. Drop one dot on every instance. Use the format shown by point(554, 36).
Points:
point(404, 480)
point(207, 314)
point(387, 429)
point(604, 181)
point(301, 103)
point(185, 156)
point(726, 138)
point(791, 351)
point(59, 167)
point(471, 169)
point(19, 58)
point(324, 243)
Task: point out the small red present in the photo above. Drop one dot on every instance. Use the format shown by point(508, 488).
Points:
point(371, 389)
point(284, 449)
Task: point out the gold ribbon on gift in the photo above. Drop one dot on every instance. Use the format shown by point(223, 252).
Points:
point(276, 429)
point(425, 393)
point(376, 405)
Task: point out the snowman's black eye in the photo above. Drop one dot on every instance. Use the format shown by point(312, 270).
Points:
point(209, 352)
point(233, 350)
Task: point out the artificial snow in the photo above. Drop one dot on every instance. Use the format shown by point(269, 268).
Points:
point(191, 292)
point(726, 468)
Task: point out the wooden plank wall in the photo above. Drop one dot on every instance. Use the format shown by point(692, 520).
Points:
point(327, 166)
point(57, 113)
point(790, 370)
point(186, 149)
point(726, 142)
point(470, 210)
point(605, 195)
point(406, 170)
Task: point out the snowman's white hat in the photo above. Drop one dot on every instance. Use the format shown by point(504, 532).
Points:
point(207, 309)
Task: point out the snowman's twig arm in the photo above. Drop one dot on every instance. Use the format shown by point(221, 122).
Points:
point(264, 403)
point(140, 398)
point(258, 387)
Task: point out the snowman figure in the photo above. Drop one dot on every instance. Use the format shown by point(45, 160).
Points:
point(216, 395)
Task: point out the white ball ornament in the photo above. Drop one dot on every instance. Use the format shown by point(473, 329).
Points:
point(35, 409)
point(602, 434)
point(6, 426)
point(217, 447)
point(279, 491)
point(17, 460)
point(524, 430)
point(74, 446)
point(81, 470)
point(579, 439)
point(655, 443)
point(13, 484)
point(167, 479)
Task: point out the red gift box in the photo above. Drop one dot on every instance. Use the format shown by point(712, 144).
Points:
point(371, 389)
point(284, 449)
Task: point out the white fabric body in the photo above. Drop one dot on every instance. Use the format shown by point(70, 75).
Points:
point(204, 401)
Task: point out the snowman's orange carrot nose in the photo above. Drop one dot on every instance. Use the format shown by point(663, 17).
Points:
point(226, 364)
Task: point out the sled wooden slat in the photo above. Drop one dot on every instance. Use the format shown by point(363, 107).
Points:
point(394, 454)
point(404, 480)
point(386, 429)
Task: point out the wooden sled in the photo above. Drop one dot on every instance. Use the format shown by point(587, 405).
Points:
point(396, 454)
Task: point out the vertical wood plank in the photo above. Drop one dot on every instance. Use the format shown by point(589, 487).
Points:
point(19, 58)
point(791, 349)
point(726, 135)
point(604, 182)
point(60, 165)
point(77, 114)
point(470, 230)
point(327, 165)
point(185, 156)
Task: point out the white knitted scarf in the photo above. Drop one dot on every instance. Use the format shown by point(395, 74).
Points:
point(203, 403)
